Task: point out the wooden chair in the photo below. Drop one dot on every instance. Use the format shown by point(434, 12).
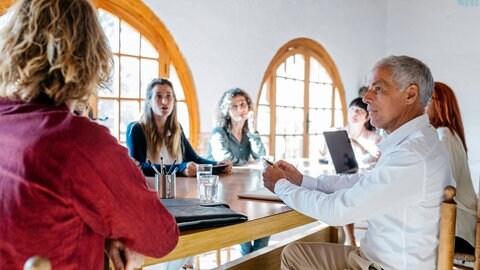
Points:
point(446, 244)
point(471, 259)
point(37, 263)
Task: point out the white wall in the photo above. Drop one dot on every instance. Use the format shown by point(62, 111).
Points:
point(446, 36)
point(230, 43)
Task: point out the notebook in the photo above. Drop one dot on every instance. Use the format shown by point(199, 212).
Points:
point(341, 151)
point(260, 194)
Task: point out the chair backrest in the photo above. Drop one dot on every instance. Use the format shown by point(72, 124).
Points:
point(448, 217)
point(37, 263)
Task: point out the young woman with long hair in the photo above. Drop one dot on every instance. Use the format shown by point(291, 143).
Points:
point(158, 135)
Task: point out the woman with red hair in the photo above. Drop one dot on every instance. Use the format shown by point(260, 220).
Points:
point(444, 114)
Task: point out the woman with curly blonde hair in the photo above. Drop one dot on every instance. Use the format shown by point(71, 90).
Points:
point(64, 178)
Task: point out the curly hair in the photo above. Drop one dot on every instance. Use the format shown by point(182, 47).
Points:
point(55, 48)
point(222, 117)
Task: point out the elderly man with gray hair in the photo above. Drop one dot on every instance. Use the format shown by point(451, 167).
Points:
point(400, 198)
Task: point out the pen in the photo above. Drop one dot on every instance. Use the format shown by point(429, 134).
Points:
point(153, 167)
point(171, 166)
point(268, 161)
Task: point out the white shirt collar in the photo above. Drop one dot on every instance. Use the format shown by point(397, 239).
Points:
point(401, 133)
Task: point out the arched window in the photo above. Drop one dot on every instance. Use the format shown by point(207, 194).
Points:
point(143, 49)
point(301, 96)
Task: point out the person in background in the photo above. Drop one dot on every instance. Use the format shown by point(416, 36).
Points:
point(63, 177)
point(234, 139)
point(362, 91)
point(159, 138)
point(444, 114)
point(362, 134)
point(400, 197)
point(158, 135)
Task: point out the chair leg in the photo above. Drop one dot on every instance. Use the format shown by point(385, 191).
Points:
point(197, 262)
point(228, 254)
point(219, 257)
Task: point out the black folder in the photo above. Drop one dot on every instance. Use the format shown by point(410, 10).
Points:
point(193, 214)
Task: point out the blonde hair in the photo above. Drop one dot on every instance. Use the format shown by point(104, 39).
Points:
point(171, 133)
point(53, 47)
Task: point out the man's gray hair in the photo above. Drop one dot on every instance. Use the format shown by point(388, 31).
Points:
point(407, 70)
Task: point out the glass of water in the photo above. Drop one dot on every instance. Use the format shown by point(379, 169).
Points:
point(207, 187)
point(204, 169)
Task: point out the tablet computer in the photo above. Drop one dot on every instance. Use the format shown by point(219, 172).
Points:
point(341, 151)
point(218, 169)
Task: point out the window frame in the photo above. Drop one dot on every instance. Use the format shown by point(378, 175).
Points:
point(308, 48)
point(144, 20)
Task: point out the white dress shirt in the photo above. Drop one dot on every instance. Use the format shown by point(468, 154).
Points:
point(400, 198)
point(466, 198)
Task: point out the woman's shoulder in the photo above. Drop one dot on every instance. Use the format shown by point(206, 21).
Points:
point(219, 130)
point(134, 127)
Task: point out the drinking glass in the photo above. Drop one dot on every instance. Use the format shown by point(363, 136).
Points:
point(203, 169)
point(207, 188)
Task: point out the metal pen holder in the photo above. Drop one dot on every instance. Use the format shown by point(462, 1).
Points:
point(166, 185)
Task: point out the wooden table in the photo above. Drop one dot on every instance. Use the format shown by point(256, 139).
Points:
point(264, 217)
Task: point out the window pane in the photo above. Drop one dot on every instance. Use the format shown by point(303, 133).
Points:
point(177, 85)
point(149, 71)
point(264, 95)
point(109, 109)
point(130, 39)
point(290, 92)
point(129, 77)
point(111, 27)
point(129, 112)
point(289, 120)
point(294, 67)
point(183, 118)
point(318, 73)
point(263, 119)
point(320, 95)
point(338, 118)
point(319, 120)
point(315, 144)
point(147, 49)
point(113, 86)
point(288, 147)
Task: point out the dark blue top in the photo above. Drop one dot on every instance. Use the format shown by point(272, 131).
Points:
point(137, 148)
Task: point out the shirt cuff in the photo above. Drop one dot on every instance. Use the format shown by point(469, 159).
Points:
point(280, 185)
point(309, 182)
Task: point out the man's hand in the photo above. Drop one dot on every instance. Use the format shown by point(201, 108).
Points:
point(123, 258)
point(271, 174)
point(292, 174)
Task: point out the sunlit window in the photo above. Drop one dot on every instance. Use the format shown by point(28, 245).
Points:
point(298, 101)
point(137, 62)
